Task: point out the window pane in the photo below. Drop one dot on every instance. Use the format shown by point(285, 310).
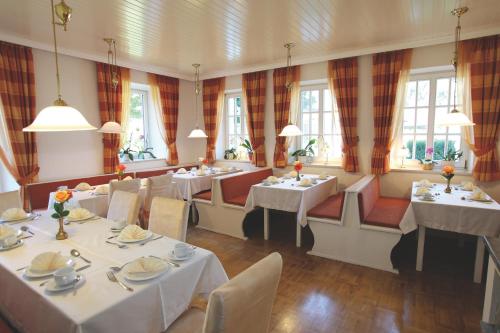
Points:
point(237, 105)
point(232, 141)
point(230, 104)
point(327, 100)
point(439, 143)
point(304, 100)
point(411, 92)
point(327, 123)
point(409, 121)
point(442, 91)
point(305, 124)
point(420, 145)
point(423, 93)
point(422, 116)
point(230, 123)
point(238, 124)
point(314, 123)
point(454, 142)
point(337, 123)
point(440, 113)
point(135, 132)
point(315, 100)
point(408, 142)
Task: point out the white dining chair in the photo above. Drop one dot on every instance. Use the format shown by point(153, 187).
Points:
point(169, 217)
point(124, 206)
point(243, 304)
point(10, 199)
point(132, 186)
point(161, 186)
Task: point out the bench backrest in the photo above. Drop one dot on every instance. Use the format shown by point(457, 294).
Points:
point(38, 193)
point(240, 183)
point(160, 172)
point(367, 196)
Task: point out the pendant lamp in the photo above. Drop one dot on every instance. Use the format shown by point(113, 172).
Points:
point(197, 133)
point(290, 129)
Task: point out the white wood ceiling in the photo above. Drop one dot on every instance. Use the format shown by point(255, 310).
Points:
point(234, 36)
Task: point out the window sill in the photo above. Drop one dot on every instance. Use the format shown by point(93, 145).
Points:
point(142, 161)
point(335, 165)
point(233, 161)
point(436, 170)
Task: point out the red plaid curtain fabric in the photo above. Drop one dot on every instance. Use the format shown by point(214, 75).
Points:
point(213, 97)
point(169, 100)
point(387, 69)
point(483, 57)
point(343, 77)
point(108, 98)
point(282, 97)
point(254, 94)
point(17, 92)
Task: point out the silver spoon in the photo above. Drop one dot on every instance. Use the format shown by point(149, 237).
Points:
point(121, 246)
point(26, 229)
point(77, 254)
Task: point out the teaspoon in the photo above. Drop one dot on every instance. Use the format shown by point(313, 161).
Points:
point(26, 229)
point(77, 254)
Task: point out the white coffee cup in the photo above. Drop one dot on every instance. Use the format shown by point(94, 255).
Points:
point(64, 276)
point(181, 250)
point(120, 224)
point(8, 240)
point(194, 169)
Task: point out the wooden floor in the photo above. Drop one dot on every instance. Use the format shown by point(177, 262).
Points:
point(322, 295)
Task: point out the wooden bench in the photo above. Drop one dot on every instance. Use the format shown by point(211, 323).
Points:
point(162, 171)
point(365, 232)
point(235, 189)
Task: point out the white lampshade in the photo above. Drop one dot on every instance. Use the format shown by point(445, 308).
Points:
point(291, 130)
point(455, 118)
point(111, 127)
point(57, 118)
point(197, 134)
point(403, 152)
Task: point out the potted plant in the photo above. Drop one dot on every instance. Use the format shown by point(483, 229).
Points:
point(126, 154)
point(305, 154)
point(245, 143)
point(141, 154)
point(428, 162)
point(451, 156)
point(230, 154)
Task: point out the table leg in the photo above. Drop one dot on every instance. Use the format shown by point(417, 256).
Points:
point(491, 294)
point(266, 223)
point(299, 235)
point(420, 247)
point(478, 265)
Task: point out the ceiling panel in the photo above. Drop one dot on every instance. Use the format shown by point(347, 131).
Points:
point(234, 36)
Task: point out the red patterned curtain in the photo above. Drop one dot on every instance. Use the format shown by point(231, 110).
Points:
point(388, 69)
point(17, 93)
point(213, 101)
point(343, 81)
point(165, 91)
point(108, 99)
point(282, 98)
point(254, 95)
point(482, 56)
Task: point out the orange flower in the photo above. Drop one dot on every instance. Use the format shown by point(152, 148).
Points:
point(448, 169)
point(297, 165)
point(205, 161)
point(121, 168)
point(62, 196)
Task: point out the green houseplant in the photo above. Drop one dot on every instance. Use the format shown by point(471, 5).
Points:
point(451, 156)
point(126, 154)
point(230, 154)
point(245, 143)
point(306, 151)
point(141, 154)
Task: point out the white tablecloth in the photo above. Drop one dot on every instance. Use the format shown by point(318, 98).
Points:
point(289, 196)
point(95, 203)
point(449, 212)
point(99, 305)
point(189, 183)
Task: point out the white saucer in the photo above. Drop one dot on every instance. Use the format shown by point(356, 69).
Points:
point(33, 275)
point(149, 234)
point(91, 216)
point(427, 199)
point(27, 217)
point(172, 256)
point(145, 276)
point(13, 246)
point(53, 287)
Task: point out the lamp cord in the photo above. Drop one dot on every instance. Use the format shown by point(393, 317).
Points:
point(55, 51)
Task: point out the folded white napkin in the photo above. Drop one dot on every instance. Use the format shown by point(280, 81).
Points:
point(468, 186)
point(204, 167)
point(13, 214)
point(144, 182)
point(201, 172)
point(293, 174)
point(323, 176)
point(83, 187)
point(79, 214)
point(128, 178)
point(102, 189)
point(272, 179)
point(6, 231)
point(181, 171)
point(305, 182)
point(478, 195)
point(422, 191)
point(48, 261)
point(424, 183)
point(232, 168)
point(224, 169)
point(146, 265)
point(133, 232)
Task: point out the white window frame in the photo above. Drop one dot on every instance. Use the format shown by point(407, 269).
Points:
point(322, 85)
point(243, 115)
point(145, 92)
point(432, 77)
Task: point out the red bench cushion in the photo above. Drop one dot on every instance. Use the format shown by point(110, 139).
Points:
point(331, 208)
point(235, 188)
point(367, 197)
point(387, 212)
point(204, 195)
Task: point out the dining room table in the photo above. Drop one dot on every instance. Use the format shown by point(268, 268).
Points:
point(456, 212)
point(98, 304)
point(287, 194)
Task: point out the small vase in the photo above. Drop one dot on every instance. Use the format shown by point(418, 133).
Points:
point(448, 188)
point(298, 177)
point(61, 234)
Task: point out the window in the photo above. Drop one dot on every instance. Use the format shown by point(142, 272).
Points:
point(319, 119)
point(429, 97)
point(137, 120)
point(235, 122)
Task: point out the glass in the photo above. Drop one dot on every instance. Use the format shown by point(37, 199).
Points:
point(423, 93)
point(420, 145)
point(335, 148)
point(238, 124)
point(230, 122)
point(305, 97)
point(305, 124)
point(337, 123)
point(135, 130)
point(439, 145)
point(409, 121)
point(439, 114)
point(315, 100)
point(454, 142)
point(230, 104)
point(422, 117)
point(411, 92)
point(314, 123)
point(408, 142)
point(442, 91)
point(327, 123)
point(327, 100)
